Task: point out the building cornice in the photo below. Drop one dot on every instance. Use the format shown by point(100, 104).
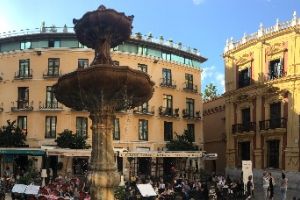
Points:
point(67, 33)
point(262, 35)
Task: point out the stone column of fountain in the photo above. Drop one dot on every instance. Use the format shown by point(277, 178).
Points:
point(103, 89)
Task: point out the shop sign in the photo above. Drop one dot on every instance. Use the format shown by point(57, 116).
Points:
point(195, 154)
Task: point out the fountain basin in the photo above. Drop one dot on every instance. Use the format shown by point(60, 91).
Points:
point(103, 84)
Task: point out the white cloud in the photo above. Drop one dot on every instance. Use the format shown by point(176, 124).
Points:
point(198, 2)
point(208, 72)
point(3, 25)
point(212, 75)
point(221, 80)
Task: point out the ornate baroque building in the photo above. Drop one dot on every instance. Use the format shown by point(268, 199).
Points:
point(31, 62)
point(263, 99)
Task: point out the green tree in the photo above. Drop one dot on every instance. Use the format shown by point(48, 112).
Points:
point(11, 135)
point(67, 139)
point(182, 142)
point(210, 92)
point(64, 140)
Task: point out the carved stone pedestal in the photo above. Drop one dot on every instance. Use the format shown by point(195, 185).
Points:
point(103, 176)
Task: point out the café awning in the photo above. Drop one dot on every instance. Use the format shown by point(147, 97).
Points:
point(163, 154)
point(22, 151)
point(69, 152)
point(75, 152)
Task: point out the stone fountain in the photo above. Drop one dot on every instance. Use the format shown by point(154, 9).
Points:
point(102, 89)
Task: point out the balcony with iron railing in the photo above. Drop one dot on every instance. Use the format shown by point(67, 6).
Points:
point(50, 106)
point(169, 83)
point(273, 124)
point(188, 87)
point(273, 76)
point(19, 75)
point(144, 110)
point(244, 127)
point(168, 112)
point(189, 115)
point(47, 75)
point(22, 105)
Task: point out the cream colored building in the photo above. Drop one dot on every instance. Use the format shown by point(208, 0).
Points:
point(262, 100)
point(31, 62)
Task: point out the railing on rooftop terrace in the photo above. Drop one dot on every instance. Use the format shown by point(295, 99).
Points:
point(231, 44)
point(65, 29)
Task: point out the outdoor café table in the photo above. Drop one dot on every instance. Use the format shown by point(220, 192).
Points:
point(19, 188)
point(32, 189)
point(18, 191)
point(53, 197)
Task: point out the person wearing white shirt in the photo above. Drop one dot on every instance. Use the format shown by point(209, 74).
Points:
point(283, 187)
point(266, 184)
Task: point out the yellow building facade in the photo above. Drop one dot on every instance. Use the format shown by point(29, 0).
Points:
point(262, 98)
point(30, 63)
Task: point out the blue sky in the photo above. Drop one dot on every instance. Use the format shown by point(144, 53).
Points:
point(201, 24)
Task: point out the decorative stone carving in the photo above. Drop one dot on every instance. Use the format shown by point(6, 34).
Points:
point(276, 48)
point(293, 162)
point(245, 58)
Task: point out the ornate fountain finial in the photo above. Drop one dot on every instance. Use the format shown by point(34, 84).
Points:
point(101, 7)
point(103, 29)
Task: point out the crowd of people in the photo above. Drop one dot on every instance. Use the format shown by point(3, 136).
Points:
point(65, 188)
point(217, 187)
point(60, 187)
point(179, 188)
point(269, 183)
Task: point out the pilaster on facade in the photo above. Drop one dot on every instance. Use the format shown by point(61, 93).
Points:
point(292, 159)
point(231, 158)
point(258, 156)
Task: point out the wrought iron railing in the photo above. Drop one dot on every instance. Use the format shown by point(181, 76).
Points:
point(23, 75)
point(145, 110)
point(22, 105)
point(51, 106)
point(187, 114)
point(167, 83)
point(190, 87)
point(244, 127)
point(170, 112)
point(273, 123)
point(273, 76)
point(51, 75)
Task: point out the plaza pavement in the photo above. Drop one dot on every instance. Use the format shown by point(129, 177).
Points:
point(258, 194)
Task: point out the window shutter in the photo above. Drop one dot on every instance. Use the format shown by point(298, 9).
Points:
point(269, 74)
point(249, 72)
point(281, 70)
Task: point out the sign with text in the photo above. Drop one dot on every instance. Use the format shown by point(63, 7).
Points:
point(146, 190)
point(210, 156)
point(247, 170)
point(162, 154)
